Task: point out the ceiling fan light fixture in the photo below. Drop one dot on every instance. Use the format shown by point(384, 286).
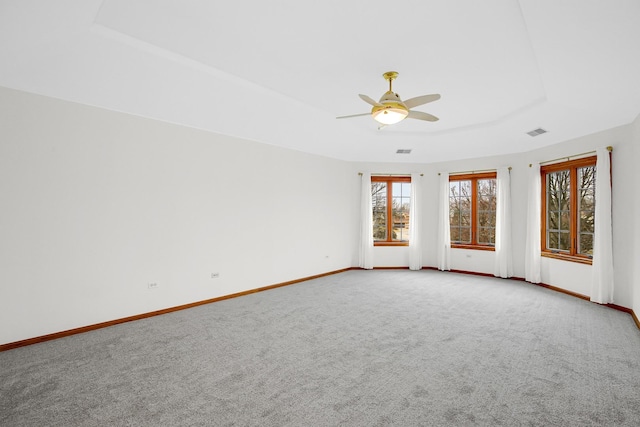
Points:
point(390, 113)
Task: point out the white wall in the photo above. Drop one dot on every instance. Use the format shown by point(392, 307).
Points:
point(97, 204)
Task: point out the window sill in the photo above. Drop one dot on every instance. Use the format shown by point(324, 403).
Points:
point(475, 247)
point(390, 243)
point(567, 257)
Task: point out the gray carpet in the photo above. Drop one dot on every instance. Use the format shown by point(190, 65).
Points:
point(361, 348)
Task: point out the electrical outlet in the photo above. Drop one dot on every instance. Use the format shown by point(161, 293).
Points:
point(215, 275)
point(152, 286)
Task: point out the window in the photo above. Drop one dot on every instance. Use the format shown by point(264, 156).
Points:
point(390, 199)
point(568, 209)
point(472, 210)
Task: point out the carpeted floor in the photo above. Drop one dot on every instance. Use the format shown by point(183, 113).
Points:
point(360, 348)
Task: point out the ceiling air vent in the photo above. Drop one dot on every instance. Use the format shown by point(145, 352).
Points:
point(536, 132)
point(403, 151)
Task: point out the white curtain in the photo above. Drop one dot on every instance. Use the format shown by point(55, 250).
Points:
point(602, 266)
point(504, 258)
point(415, 226)
point(366, 223)
point(532, 242)
point(444, 232)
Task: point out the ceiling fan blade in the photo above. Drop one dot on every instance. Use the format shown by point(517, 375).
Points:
point(353, 115)
point(421, 100)
point(368, 100)
point(422, 116)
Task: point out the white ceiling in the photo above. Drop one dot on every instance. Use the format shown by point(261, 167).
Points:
point(280, 71)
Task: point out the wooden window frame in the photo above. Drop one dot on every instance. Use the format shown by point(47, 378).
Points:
point(473, 177)
point(389, 180)
point(572, 166)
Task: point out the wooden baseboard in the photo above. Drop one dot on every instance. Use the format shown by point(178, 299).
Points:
point(80, 330)
point(626, 310)
point(563, 291)
point(635, 319)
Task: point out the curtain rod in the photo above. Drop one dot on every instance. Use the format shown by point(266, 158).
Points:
point(390, 174)
point(474, 171)
point(567, 158)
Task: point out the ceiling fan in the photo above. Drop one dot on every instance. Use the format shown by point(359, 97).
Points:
point(391, 109)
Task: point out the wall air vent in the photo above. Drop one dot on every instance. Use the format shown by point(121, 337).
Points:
point(403, 151)
point(536, 132)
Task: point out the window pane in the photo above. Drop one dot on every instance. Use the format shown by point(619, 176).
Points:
point(586, 207)
point(465, 219)
point(453, 205)
point(484, 202)
point(565, 241)
point(486, 211)
point(586, 177)
point(487, 187)
point(379, 225)
point(558, 215)
point(455, 234)
point(586, 221)
point(586, 244)
point(400, 234)
point(558, 190)
point(565, 221)
point(483, 218)
point(465, 188)
point(460, 211)
point(484, 236)
point(553, 220)
point(401, 189)
point(454, 187)
point(378, 192)
point(379, 204)
point(587, 200)
point(465, 203)
point(454, 217)
point(400, 210)
point(552, 201)
point(465, 235)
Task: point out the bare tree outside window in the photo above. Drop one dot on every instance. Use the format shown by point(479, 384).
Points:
point(379, 201)
point(586, 207)
point(391, 200)
point(486, 212)
point(400, 210)
point(569, 209)
point(472, 210)
point(460, 211)
point(558, 210)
